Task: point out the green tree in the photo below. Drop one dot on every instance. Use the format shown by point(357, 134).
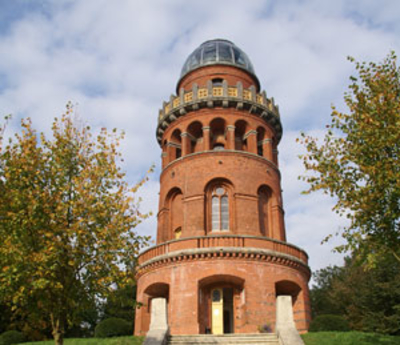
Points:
point(67, 220)
point(121, 304)
point(321, 301)
point(368, 298)
point(358, 162)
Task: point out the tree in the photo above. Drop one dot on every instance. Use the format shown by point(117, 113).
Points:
point(359, 161)
point(368, 298)
point(66, 221)
point(321, 301)
point(121, 304)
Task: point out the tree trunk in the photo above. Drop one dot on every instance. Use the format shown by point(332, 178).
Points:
point(58, 329)
point(58, 337)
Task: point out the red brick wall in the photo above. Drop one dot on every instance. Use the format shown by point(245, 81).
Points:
point(201, 75)
point(255, 304)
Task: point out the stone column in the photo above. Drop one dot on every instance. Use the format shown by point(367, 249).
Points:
point(284, 321)
point(230, 137)
point(206, 138)
point(185, 144)
point(158, 331)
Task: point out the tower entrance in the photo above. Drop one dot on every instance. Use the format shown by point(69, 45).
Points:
point(220, 304)
point(222, 310)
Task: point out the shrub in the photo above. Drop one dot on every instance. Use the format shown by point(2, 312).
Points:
point(113, 327)
point(328, 323)
point(11, 337)
point(265, 328)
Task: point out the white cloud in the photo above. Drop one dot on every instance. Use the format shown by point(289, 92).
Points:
point(120, 59)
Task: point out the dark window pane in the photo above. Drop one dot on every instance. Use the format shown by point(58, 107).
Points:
point(215, 213)
point(224, 52)
point(239, 57)
point(209, 53)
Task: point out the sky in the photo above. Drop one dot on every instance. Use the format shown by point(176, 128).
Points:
point(117, 61)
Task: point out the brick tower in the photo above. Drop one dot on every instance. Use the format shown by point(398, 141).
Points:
point(221, 258)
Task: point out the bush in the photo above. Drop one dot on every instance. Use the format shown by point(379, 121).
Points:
point(326, 323)
point(113, 327)
point(11, 337)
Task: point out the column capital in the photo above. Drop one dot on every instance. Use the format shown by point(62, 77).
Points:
point(251, 132)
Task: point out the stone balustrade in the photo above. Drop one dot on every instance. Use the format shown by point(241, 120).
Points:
point(249, 245)
point(225, 96)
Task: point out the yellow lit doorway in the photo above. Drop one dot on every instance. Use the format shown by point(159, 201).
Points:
point(217, 311)
point(221, 310)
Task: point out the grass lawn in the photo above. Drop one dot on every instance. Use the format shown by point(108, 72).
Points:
point(130, 340)
point(349, 338)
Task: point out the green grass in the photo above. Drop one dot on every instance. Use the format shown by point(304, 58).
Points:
point(349, 338)
point(95, 341)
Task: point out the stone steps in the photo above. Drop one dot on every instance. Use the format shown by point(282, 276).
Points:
point(225, 339)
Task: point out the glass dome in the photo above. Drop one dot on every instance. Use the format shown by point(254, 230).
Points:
point(217, 51)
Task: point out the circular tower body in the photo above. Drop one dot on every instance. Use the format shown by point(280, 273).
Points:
point(221, 258)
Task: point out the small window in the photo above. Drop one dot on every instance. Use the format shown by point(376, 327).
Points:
point(217, 82)
point(178, 153)
point(178, 233)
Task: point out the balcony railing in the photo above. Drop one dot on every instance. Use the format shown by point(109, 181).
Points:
point(231, 241)
point(226, 96)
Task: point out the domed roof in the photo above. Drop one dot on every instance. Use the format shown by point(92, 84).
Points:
point(216, 52)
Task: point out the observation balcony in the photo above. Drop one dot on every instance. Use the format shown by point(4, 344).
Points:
point(224, 246)
point(219, 96)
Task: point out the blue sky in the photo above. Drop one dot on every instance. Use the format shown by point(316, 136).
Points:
point(119, 60)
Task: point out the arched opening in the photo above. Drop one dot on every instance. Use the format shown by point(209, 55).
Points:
point(260, 141)
point(287, 288)
point(264, 210)
point(155, 290)
point(219, 205)
point(217, 82)
point(241, 128)
point(175, 213)
point(176, 144)
point(217, 133)
point(195, 133)
point(220, 304)
point(178, 233)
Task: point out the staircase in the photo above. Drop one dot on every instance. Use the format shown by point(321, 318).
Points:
point(225, 339)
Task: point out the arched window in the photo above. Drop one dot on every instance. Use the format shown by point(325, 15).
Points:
point(260, 141)
point(241, 128)
point(175, 145)
point(217, 132)
point(174, 214)
point(264, 210)
point(178, 233)
point(219, 209)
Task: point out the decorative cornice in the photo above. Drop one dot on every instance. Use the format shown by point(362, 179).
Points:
point(233, 253)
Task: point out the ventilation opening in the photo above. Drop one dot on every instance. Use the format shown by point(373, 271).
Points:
point(217, 82)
